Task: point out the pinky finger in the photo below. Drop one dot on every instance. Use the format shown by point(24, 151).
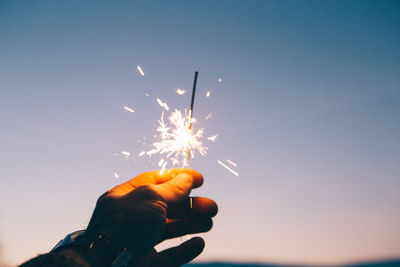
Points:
point(179, 255)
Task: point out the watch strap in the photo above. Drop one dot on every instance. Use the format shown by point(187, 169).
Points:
point(97, 246)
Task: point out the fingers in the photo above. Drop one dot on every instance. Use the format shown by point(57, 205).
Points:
point(176, 189)
point(154, 177)
point(179, 255)
point(197, 207)
point(181, 227)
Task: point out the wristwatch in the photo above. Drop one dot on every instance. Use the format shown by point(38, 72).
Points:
point(98, 247)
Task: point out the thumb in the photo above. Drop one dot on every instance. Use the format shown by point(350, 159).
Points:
point(176, 189)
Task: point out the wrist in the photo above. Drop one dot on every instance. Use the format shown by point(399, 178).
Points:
point(77, 256)
point(94, 248)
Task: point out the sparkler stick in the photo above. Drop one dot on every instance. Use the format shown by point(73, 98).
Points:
point(192, 102)
point(190, 119)
point(191, 105)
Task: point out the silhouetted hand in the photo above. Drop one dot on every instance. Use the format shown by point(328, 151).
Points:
point(151, 208)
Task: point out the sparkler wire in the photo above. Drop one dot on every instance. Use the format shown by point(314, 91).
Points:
point(192, 102)
point(191, 105)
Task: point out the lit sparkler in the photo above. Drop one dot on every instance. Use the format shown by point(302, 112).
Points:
point(177, 140)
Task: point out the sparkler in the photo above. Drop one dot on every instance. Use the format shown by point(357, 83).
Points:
point(191, 105)
point(177, 140)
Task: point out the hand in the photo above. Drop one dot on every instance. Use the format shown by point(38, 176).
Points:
point(151, 208)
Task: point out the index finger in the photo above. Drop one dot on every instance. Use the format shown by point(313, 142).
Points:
point(155, 177)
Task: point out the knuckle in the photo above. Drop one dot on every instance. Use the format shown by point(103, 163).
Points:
point(148, 191)
point(104, 199)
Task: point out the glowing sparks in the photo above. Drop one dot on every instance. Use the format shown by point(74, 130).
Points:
point(226, 167)
point(209, 115)
point(219, 80)
point(140, 70)
point(116, 175)
point(163, 167)
point(179, 91)
point(142, 153)
point(231, 162)
point(129, 109)
point(161, 162)
point(162, 104)
point(208, 93)
point(126, 154)
point(212, 138)
point(146, 94)
point(176, 139)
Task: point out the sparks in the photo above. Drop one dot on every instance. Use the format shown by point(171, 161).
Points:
point(179, 91)
point(231, 162)
point(126, 153)
point(209, 115)
point(129, 109)
point(212, 138)
point(140, 70)
point(142, 153)
point(161, 162)
point(163, 167)
point(162, 104)
point(176, 139)
point(208, 93)
point(116, 175)
point(219, 80)
point(146, 94)
point(226, 167)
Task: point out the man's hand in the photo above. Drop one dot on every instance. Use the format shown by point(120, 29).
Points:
point(151, 208)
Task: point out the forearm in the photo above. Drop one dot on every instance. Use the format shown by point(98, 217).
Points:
point(67, 257)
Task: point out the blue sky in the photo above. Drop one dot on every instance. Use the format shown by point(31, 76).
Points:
point(309, 108)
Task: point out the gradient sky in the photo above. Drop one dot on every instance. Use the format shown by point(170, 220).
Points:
point(309, 108)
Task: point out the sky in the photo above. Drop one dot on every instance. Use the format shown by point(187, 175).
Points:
point(308, 108)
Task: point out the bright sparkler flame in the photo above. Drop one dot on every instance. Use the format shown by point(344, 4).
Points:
point(176, 139)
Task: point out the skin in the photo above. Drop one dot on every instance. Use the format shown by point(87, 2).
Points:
point(151, 208)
